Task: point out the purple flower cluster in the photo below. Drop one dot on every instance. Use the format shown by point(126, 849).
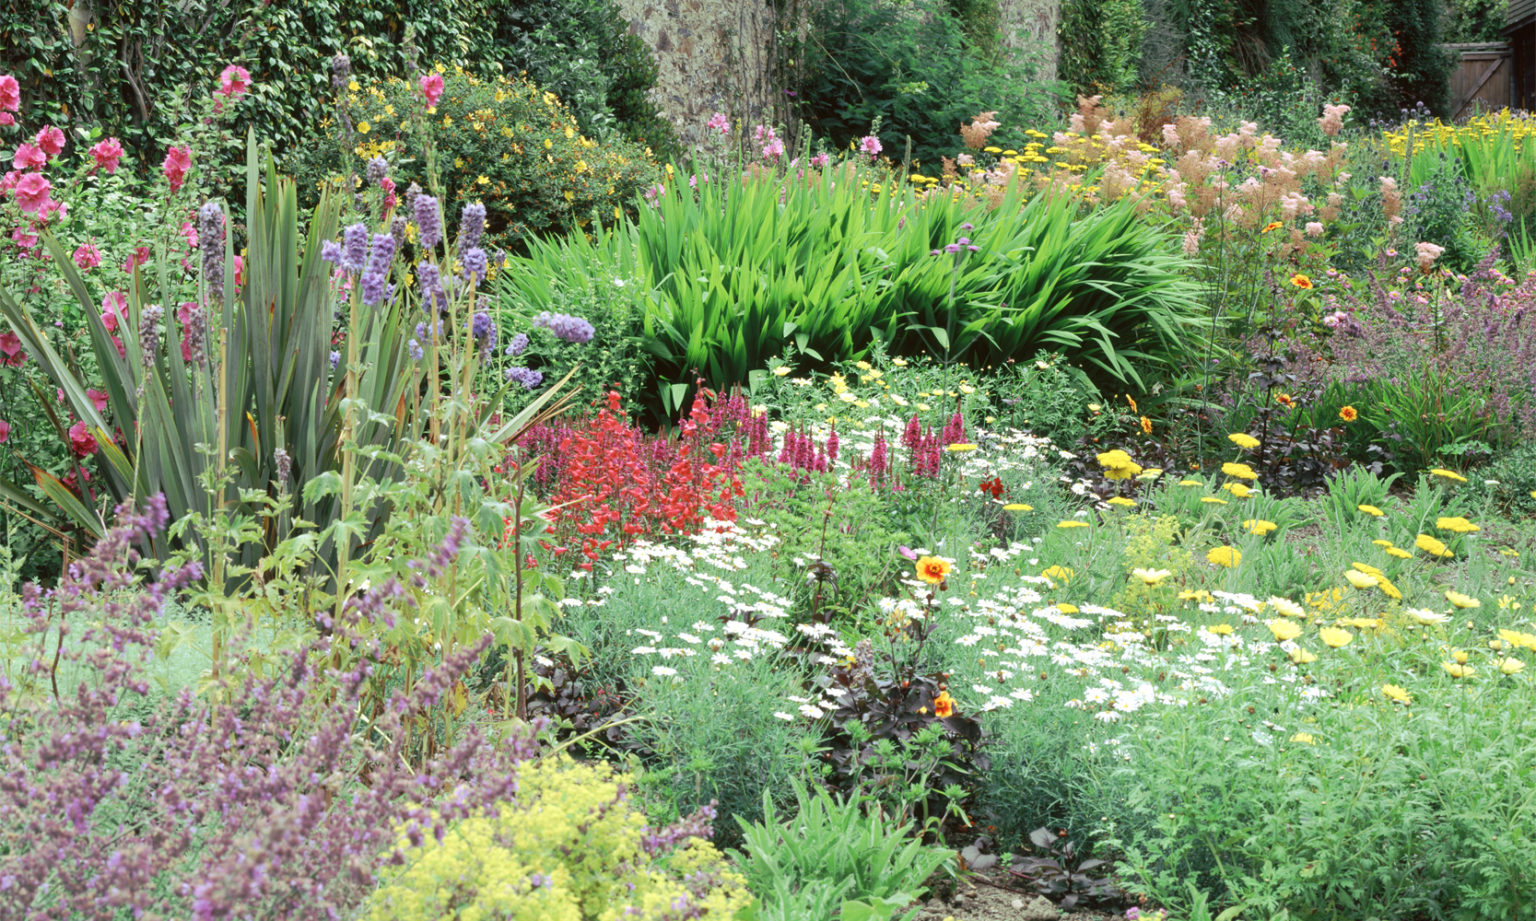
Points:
point(517, 345)
point(471, 226)
point(475, 263)
point(565, 326)
point(483, 328)
point(529, 378)
point(376, 286)
point(210, 236)
point(230, 816)
point(429, 221)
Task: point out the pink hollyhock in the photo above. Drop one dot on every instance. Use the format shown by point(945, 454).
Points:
point(32, 192)
point(87, 256)
point(81, 441)
point(113, 310)
point(51, 140)
point(11, 354)
point(720, 123)
point(21, 238)
point(10, 98)
point(29, 156)
point(233, 82)
point(98, 399)
point(9, 180)
point(138, 258)
point(107, 153)
point(189, 232)
point(5, 431)
point(820, 160)
point(178, 160)
point(431, 87)
point(239, 271)
point(871, 145)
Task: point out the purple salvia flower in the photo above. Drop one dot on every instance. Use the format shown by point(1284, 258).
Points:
point(475, 263)
point(375, 284)
point(354, 248)
point(429, 221)
point(471, 226)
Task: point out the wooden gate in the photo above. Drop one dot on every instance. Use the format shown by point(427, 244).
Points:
point(1480, 81)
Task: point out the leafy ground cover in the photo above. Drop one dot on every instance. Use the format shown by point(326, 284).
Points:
point(1138, 520)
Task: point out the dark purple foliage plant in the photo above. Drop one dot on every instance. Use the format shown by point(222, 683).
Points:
point(275, 795)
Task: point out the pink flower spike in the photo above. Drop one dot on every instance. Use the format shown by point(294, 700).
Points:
point(51, 140)
point(234, 82)
point(107, 153)
point(431, 87)
point(29, 156)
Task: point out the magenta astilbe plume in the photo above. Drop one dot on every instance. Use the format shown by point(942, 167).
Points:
point(954, 432)
point(879, 460)
point(832, 445)
point(912, 435)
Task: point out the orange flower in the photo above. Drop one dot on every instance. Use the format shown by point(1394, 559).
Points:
point(932, 569)
point(1284, 399)
point(1349, 414)
point(1134, 407)
point(1272, 225)
point(1146, 425)
point(1301, 281)
point(943, 705)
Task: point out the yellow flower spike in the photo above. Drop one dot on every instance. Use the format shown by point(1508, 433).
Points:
point(1371, 510)
point(1225, 556)
point(1396, 694)
point(1284, 629)
point(1456, 525)
point(1460, 600)
point(1360, 580)
point(1243, 440)
point(1334, 637)
point(1432, 546)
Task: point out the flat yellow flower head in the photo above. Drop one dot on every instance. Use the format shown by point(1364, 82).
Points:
point(1432, 546)
point(1519, 640)
point(1361, 580)
point(1456, 525)
point(1058, 574)
point(1458, 669)
point(1259, 526)
point(1396, 694)
point(1451, 475)
point(1071, 523)
point(1122, 501)
point(1238, 490)
point(1510, 666)
point(1150, 576)
point(1304, 738)
point(1220, 629)
point(1371, 510)
point(1225, 556)
point(1302, 657)
point(1018, 507)
point(1334, 637)
point(1460, 600)
point(1213, 500)
point(1241, 471)
point(1243, 440)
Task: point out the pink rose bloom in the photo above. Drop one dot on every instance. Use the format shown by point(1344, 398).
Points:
point(51, 140)
point(81, 441)
point(233, 82)
point(98, 399)
point(5, 431)
point(32, 192)
point(871, 145)
point(178, 160)
point(11, 354)
point(10, 95)
point(431, 87)
point(107, 153)
point(29, 156)
point(87, 256)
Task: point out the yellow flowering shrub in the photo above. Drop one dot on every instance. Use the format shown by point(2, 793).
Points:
point(568, 848)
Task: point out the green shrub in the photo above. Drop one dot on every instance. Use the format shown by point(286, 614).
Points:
point(502, 141)
point(911, 69)
point(570, 847)
point(1100, 44)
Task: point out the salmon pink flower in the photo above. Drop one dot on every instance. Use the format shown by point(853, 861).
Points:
point(31, 193)
point(29, 156)
point(431, 87)
point(234, 82)
point(107, 153)
point(51, 140)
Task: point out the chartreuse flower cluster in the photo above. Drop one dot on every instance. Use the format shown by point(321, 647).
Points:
point(572, 846)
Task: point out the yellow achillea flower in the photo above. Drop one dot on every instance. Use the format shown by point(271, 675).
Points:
point(1283, 629)
point(1243, 440)
point(1398, 552)
point(1058, 574)
point(1018, 507)
point(1334, 637)
point(960, 448)
point(1259, 526)
point(1122, 501)
point(1456, 525)
point(1451, 475)
point(1305, 738)
point(1460, 600)
point(1432, 546)
point(1118, 465)
point(1191, 483)
point(1396, 694)
point(1067, 608)
point(1241, 471)
point(1238, 490)
point(1212, 500)
point(1225, 556)
point(1371, 510)
point(1071, 523)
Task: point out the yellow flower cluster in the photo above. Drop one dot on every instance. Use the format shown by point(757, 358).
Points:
point(568, 849)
